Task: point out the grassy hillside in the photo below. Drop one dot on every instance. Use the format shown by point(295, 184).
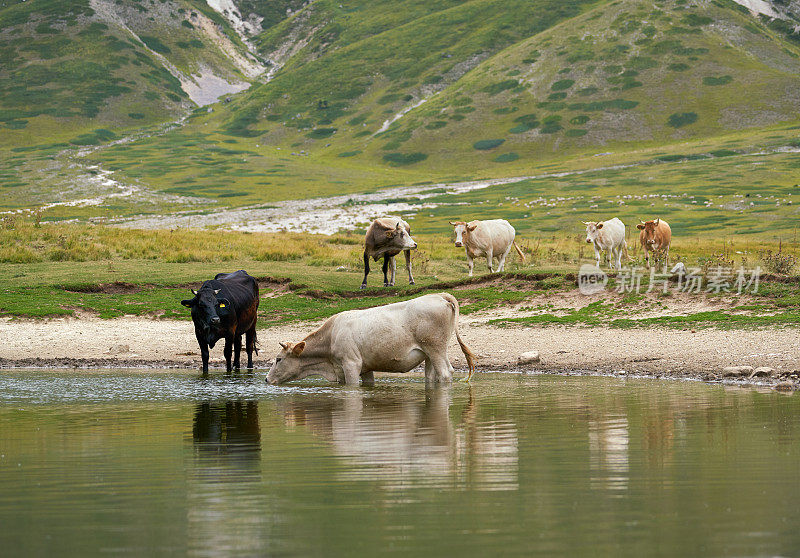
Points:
point(679, 94)
point(81, 72)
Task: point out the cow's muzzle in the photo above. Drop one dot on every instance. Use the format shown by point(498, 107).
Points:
point(215, 321)
point(588, 241)
point(459, 245)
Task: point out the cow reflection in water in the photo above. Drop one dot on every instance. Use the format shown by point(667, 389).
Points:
point(227, 442)
point(401, 437)
point(229, 428)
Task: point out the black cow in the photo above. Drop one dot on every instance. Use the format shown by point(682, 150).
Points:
point(226, 307)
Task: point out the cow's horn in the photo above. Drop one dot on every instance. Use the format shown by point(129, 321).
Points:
point(284, 346)
point(216, 291)
point(194, 292)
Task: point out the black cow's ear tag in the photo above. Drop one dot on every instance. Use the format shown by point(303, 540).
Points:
point(222, 305)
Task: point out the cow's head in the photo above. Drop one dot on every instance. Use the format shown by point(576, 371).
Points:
point(462, 231)
point(288, 365)
point(592, 230)
point(400, 238)
point(648, 228)
point(209, 311)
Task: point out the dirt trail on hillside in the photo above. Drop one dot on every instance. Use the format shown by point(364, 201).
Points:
point(138, 342)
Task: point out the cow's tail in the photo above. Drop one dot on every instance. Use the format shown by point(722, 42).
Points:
point(255, 342)
point(521, 255)
point(468, 354)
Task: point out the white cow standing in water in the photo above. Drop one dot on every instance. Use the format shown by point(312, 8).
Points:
point(609, 237)
point(391, 338)
point(493, 239)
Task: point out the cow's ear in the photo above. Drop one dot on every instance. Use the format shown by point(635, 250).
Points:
point(599, 225)
point(640, 226)
point(471, 228)
point(297, 349)
point(189, 302)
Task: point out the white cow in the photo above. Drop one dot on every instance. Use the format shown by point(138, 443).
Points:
point(609, 237)
point(392, 338)
point(492, 239)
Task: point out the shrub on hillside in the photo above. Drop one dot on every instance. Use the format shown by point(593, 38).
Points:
point(678, 119)
point(155, 44)
point(721, 80)
point(398, 159)
point(484, 145)
point(562, 84)
point(506, 157)
point(500, 86)
point(320, 133)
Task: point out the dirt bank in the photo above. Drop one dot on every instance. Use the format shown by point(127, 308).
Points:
point(137, 342)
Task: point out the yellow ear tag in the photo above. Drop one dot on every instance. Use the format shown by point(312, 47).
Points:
point(222, 305)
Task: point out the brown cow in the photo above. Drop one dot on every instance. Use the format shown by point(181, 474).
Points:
point(387, 237)
point(656, 237)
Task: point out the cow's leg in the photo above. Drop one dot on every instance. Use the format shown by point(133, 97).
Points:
point(237, 351)
point(201, 340)
point(352, 372)
point(228, 351)
point(470, 265)
point(250, 345)
point(366, 270)
point(596, 257)
point(618, 257)
point(386, 271)
point(489, 261)
point(647, 257)
point(502, 265)
point(394, 271)
point(666, 257)
point(204, 356)
point(408, 266)
point(368, 378)
point(430, 373)
point(442, 367)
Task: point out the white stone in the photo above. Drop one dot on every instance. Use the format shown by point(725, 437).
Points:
point(731, 371)
point(530, 357)
point(764, 371)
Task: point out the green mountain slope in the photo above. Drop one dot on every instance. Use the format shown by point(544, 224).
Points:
point(620, 77)
point(368, 94)
point(624, 74)
point(72, 67)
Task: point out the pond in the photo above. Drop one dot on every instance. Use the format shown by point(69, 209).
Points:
point(164, 462)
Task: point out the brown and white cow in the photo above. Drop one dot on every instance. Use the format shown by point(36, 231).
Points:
point(492, 239)
point(655, 236)
point(391, 338)
point(387, 237)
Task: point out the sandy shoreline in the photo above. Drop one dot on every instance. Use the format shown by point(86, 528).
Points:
point(138, 342)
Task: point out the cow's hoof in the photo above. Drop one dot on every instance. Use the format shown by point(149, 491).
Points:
point(364, 286)
point(411, 283)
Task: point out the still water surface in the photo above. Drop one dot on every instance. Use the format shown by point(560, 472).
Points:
point(165, 463)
